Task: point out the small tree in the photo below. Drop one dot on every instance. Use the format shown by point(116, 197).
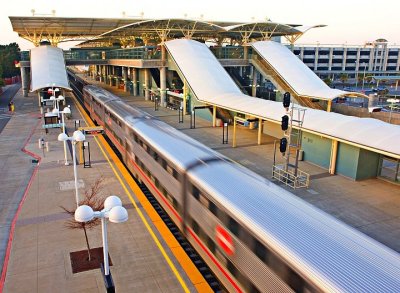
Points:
point(91, 199)
point(368, 78)
point(343, 77)
point(328, 81)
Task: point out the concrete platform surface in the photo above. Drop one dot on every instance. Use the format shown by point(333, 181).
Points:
point(38, 258)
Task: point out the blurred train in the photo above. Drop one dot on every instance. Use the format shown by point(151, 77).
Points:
point(253, 234)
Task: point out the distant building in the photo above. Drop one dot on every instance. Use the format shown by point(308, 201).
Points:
point(376, 58)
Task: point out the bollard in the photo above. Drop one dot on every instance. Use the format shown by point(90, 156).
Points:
point(47, 146)
point(41, 143)
point(225, 133)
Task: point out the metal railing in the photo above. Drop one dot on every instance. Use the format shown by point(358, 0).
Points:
point(233, 52)
point(25, 56)
point(83, 55)
point(144, 53)
point(135, 53)
point(302, 179)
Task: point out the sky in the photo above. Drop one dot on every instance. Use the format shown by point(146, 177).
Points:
point(350, 22)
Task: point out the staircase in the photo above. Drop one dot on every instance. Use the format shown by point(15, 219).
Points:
point(155, 73)
point(223, 114)
point(239, 80)
point(263, 67)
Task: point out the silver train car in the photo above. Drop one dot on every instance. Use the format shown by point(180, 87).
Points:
point(253, 234)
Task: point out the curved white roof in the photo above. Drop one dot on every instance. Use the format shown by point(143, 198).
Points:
point(296, 74)
point(212, 85)
point(48, 68)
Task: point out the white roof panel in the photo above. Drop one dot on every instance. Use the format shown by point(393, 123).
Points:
point(296, 74)
point(48, 68)
point(211, 84)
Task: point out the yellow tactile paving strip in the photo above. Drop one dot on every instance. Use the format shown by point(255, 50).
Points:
point(193, 273)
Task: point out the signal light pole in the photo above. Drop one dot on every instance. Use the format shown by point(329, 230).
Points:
point(291, 141)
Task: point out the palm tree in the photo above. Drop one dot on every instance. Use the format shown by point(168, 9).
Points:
point(328, 81)
point(343, 77)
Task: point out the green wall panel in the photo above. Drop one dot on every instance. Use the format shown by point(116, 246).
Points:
point(368, 163)
point(316, 149)
point(347, 160)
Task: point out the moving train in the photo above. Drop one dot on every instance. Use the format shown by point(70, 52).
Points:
point(253, 234)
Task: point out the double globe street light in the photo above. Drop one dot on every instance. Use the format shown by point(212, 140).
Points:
point(65, 111)
point(56, 101)
point(75, 138)
point(116, 213)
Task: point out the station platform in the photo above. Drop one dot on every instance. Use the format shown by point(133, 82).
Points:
point(36, 246)
point(371, 206)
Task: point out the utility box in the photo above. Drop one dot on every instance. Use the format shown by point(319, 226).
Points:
point(301, 155)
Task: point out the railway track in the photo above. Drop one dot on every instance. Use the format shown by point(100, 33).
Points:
point(190, 251)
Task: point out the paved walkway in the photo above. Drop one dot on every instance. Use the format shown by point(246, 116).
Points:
point(371, 206)
point(7, 95)
point(38, 258)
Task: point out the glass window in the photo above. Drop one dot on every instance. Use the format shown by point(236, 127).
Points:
point(231, 268)
point(210, 244)
point(196, 227)
point(196, 192)
point(213, 208)
point(260, 250)
point(175, 203)
point(233, 226)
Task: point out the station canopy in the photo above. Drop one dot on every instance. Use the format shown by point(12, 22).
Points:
point(165, 29)
point(125, 30)
point(48, 68)
point(61, 29)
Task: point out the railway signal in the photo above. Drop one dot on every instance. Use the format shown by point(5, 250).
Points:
point(286, 100)
point(224, 240)
point(283, 145)
point(285, 122)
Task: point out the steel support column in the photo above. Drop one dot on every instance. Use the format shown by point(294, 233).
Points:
point(163, 77)
point(135, 81)
point(125, 77)
point(254, 83)
point(260, 126)
point(25, 81)
point(214, 116)
point(185, 93)
point(163, 84)
point(146, 84)
point(328, 109)
point(332, 163)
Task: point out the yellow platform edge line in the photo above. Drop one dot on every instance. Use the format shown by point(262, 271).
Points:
point(193, 273)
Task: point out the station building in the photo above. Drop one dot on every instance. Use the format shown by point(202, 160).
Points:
point(373, 58)
point(149, 58)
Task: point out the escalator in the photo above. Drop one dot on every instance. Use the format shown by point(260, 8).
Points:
point(155, 73)
point(265, 69)
point(243, 83)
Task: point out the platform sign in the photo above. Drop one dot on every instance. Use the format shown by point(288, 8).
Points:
point(224, 240)
point(96, 130)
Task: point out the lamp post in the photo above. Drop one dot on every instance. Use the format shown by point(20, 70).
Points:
point(66, 110)
point(356, 73)
point(76, 137)
point(56, 102)
point(365, 67)
point(392, 102)
point(116, 213)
